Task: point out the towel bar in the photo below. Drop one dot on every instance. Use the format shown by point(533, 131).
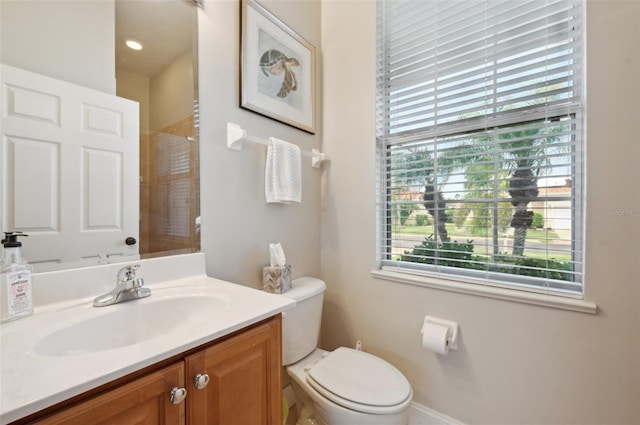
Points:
point(236, 135)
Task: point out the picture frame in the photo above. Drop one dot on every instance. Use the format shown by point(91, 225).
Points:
point(277, 69)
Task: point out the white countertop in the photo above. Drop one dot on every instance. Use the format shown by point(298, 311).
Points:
point(33, 377)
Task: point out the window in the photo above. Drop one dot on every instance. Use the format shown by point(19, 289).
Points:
point(480, 141)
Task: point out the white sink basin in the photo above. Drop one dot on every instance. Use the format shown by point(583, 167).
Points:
point(130, 323)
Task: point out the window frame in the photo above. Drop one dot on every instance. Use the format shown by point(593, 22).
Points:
point(471, 281)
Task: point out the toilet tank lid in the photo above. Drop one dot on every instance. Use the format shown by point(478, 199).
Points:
point(305, 287)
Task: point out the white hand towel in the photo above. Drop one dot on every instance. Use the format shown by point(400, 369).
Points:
point(283, 172)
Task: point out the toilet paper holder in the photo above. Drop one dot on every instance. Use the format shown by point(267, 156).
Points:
point(452, 335)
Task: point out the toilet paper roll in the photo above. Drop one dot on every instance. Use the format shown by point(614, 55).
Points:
point(434, 337)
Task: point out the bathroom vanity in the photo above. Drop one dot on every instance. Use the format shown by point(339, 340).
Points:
point(198, 350)
point(244, 386)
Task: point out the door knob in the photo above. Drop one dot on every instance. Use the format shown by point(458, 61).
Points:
point(177, 395)
point(130, 240)
point(201, 380)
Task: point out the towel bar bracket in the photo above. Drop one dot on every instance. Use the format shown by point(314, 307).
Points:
point(317, 158)
point(235, 134)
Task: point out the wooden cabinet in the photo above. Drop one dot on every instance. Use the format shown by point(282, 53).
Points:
point(244, 387)
point(244, 380)
point(143, 401)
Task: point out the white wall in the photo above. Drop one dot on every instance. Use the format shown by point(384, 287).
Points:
point(69, 40)
point(516, 363)
point(237, 223)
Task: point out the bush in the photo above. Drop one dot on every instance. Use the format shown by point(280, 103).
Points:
point(558, 270)
point(460, 215)
point(456, 254)
point(405, 212)
point(422, 220)
point(451, 254)
point(538, 221)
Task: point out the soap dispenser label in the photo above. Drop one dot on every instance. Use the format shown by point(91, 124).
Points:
point(19, 293)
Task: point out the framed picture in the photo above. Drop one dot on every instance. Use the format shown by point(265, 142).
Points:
point(277, 69)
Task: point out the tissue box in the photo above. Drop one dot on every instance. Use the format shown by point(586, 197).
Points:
point(276, 279)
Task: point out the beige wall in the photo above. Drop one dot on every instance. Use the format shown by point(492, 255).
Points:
point(171, 92)
point(164, 99)
point(84, 53)
point(135, 87)
point(237, 223)
point(516, 363)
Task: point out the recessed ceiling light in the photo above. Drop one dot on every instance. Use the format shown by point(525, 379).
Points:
point(132, 44)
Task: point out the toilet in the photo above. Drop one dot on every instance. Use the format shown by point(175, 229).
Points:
point(340, 387)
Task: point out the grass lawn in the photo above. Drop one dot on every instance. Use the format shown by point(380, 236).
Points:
point(543, 255)
point(455, 231)
point(540, 255)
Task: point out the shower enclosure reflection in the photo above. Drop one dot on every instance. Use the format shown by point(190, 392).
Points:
point(161, 77)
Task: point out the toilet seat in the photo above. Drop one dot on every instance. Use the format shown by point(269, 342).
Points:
point(360, 381)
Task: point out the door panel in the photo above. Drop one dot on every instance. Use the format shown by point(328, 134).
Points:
point(36, 198)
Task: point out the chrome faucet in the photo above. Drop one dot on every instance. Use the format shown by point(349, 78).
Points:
point(128, 287)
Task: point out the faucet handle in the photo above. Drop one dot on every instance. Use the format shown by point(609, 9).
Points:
point(128, 272)
point(138, 283)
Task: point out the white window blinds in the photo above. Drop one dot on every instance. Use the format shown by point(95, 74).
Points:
point(175, 186)
point(480, 140)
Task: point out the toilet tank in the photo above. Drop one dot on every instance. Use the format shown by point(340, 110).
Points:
point(301, 324)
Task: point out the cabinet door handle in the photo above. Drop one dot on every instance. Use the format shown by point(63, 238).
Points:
point(178, 395)
point(201, 380)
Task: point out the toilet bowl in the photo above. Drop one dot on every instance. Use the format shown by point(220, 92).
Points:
point(344, 386)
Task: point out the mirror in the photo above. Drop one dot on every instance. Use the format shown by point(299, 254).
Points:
point(84, 43)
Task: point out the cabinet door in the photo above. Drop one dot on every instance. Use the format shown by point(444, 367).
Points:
point(145, 401)
point(245, 386)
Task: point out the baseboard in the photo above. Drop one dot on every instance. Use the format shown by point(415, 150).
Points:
point(418, 414)
point(289, 395)
point(422, 415)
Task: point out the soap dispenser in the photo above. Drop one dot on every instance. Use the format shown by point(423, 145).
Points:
point(15, 280)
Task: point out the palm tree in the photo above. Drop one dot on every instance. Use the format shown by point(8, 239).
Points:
point(523, 187)
point(523, 154)
point(414, 167)
point(526, 153)
point(435, 204)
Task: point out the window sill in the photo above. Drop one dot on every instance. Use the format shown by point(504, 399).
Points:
point(540, 299)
